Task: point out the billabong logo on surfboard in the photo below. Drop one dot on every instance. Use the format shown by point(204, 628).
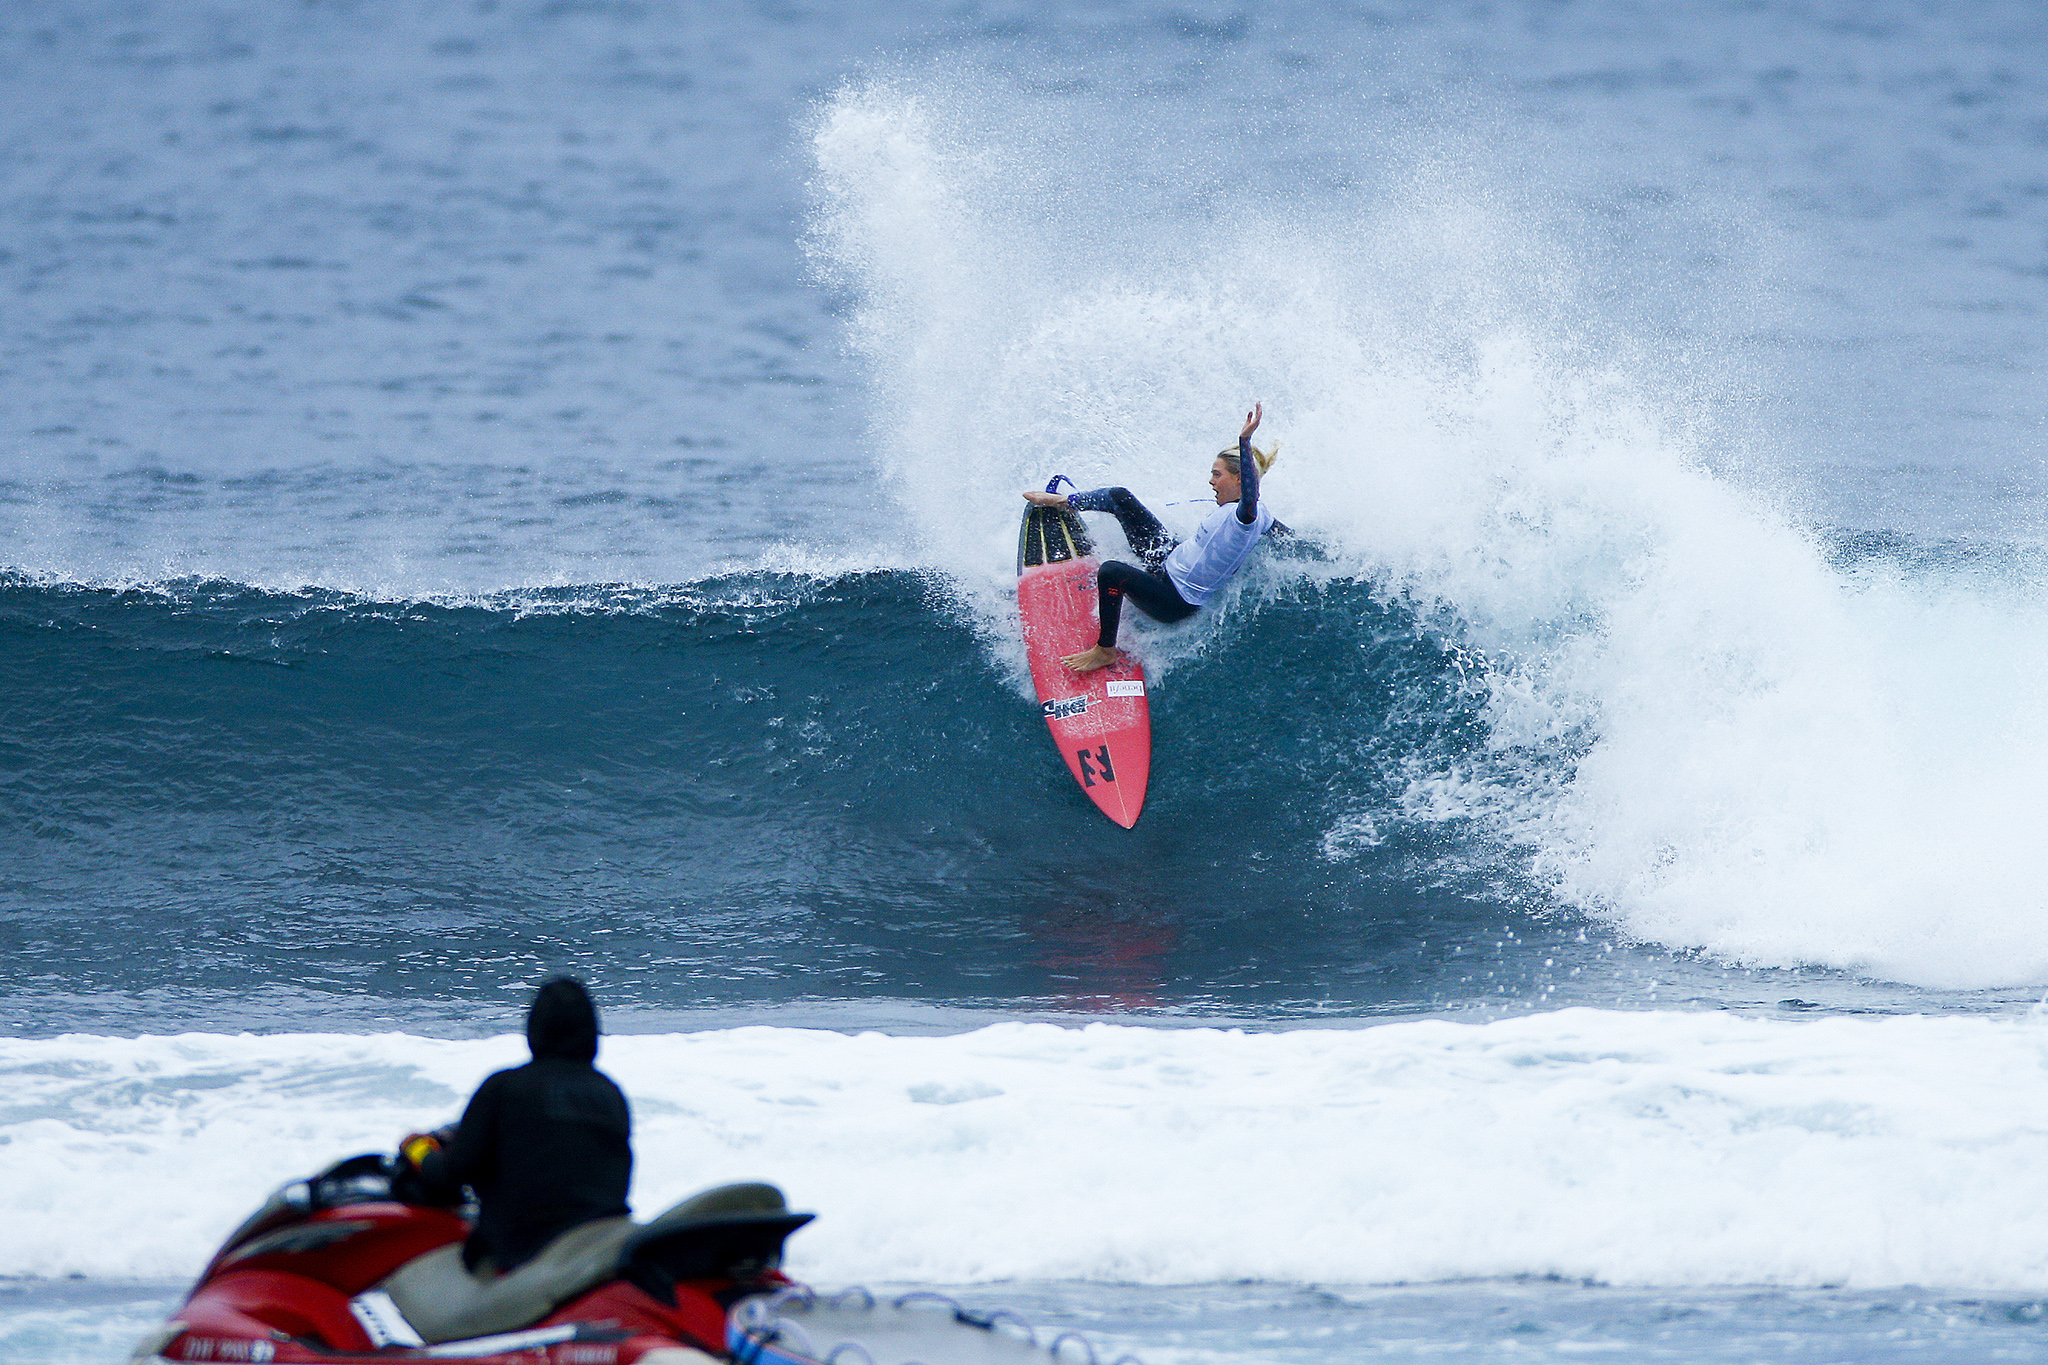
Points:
point(1069, 706)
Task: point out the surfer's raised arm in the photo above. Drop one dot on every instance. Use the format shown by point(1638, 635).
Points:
point(1248, 467)
point(1171, 581)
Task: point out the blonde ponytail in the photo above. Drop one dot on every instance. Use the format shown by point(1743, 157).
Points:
point(1262, 458)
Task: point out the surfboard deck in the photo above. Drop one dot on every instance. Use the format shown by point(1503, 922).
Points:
point(1101, 721)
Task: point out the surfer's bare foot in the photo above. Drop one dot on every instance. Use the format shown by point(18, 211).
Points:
point(1045, 499)
point(1088, 660)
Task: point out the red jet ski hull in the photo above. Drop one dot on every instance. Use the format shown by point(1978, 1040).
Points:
point(300, 1283)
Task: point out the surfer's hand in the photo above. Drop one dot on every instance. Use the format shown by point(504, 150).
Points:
point(1251, 421)
point(1045, 499)
point(1088, 660)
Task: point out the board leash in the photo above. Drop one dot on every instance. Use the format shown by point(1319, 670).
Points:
point(1053, 486)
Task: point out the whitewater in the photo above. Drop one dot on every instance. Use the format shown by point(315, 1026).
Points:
point(509, 488)
point(1652, 1149)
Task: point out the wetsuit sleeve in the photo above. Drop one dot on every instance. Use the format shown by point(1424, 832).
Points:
point(466, 1159)
point(1247, 482)
point(1094, 500)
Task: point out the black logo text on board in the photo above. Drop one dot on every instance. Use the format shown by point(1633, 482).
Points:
point(1091, 762)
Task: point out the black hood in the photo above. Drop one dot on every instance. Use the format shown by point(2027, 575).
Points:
point(563, 1021)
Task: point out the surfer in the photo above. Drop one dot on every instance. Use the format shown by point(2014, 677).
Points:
point(1176, 579)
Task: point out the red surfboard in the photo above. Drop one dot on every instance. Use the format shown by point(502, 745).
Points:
point(1101, 721)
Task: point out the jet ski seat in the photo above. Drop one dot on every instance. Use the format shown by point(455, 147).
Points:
point(445, 1302)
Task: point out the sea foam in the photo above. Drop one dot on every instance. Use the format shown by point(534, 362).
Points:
point(1631, 1148)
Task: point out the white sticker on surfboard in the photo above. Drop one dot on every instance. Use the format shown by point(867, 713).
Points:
point(1132, 687)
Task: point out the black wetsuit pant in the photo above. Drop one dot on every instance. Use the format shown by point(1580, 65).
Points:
point(1148, 588)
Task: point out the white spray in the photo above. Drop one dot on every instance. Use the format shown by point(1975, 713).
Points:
point(1699, 729)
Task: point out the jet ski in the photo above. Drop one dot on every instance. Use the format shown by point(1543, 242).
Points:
point(337, 1268)
point(340, 1268)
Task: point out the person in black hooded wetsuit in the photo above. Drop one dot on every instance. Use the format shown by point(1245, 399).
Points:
point(546, 1146)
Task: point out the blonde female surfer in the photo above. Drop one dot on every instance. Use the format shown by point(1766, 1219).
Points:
point(1172, 581)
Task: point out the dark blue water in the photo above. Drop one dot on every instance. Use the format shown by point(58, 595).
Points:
point(728, 794)
point(735, 794)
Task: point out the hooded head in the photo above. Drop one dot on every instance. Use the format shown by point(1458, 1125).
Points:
point(563, 1021)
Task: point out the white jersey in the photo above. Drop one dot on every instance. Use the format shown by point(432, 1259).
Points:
point(1219, 547)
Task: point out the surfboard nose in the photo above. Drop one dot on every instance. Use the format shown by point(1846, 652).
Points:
point(1123, 800)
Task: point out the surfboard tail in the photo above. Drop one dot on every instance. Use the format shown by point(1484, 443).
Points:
point(1051, 535)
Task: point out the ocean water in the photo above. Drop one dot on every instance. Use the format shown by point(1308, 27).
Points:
point(513, 486)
